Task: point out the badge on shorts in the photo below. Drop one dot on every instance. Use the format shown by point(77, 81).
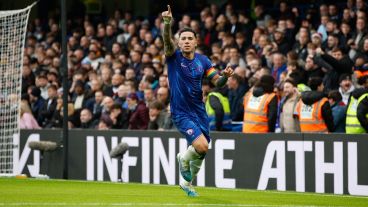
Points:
point(190, 131)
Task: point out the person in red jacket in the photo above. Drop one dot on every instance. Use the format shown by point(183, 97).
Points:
point(139, 117)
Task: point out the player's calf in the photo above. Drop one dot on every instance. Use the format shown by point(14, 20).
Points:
point(184, 168)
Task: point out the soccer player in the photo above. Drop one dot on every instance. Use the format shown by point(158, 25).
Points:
point(186, 69)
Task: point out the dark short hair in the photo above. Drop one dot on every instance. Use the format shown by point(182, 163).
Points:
point(291, 81)
point(187, 29)
point(117, 106)
point(267, 83)
point(344, 76)
point(335, 95)
point(156, 105)
point(237, 78)
point(314, 82)
point(296, 77)
point(52, 86)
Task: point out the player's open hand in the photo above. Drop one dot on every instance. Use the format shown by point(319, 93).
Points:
point(228, 71)
point(167, 15)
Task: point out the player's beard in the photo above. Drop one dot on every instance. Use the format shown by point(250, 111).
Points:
point(188, 53)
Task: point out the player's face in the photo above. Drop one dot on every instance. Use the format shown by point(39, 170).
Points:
point(187, 42)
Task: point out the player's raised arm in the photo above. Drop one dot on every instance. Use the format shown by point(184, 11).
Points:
point(220, 80)
point(169, 46)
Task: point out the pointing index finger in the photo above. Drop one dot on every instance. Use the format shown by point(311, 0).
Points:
point(169, 9)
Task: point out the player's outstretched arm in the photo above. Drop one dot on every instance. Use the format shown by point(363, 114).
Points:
point(169, 46)
point(220, 80)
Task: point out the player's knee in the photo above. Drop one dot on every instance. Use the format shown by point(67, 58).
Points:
point(202, 148)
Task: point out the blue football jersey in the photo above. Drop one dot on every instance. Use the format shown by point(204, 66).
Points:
point(185, 81)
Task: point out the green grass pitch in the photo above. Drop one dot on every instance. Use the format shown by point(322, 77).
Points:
point(32, 192)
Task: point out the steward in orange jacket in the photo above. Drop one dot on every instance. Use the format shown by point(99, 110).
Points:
point(314, 110)
point(260, 107)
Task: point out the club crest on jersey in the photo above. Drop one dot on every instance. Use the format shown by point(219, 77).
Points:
point(190, 131)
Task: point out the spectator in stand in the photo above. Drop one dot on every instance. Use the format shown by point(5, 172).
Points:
point(95, 104)
point(316, 40)
point(119, 117)
point(235, 94)
point(149, 96)
point(36, 101)
point(346, 87)
point(109, 39)
point(86, 119)
point(157, 116)
point(136, 63)
point(289, 122)
point(261, 17)
point(27, 121)
point(278, 66)
point(139, 117)
point(235, 58)
point(163, 95)
point(108, 104)
point(311, 69)
point(340, 64)
point(42, 84)
point(300, 47)
point(79, 98)
point(105, 123)
point(338, 110)
point(49, 107)
point(283, 45)
point(356, 43)
point(209, 33)
point(28, 78)
point(116, 81)
point(122, 93)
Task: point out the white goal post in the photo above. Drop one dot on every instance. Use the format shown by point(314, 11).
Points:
point(13, 28)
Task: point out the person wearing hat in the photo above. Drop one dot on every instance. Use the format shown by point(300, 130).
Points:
point(260, 107)
point(139, 117)
point(317, 39)
point(36, 101)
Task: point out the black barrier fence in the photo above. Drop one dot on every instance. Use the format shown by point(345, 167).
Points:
point(324, 163)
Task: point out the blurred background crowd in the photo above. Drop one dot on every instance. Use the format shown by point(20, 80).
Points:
point(290, 62)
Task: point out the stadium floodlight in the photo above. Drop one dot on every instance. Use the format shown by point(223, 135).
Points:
point(13, 27)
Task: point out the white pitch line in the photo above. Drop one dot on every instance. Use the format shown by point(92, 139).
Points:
point(152, 204)
point(212, 188)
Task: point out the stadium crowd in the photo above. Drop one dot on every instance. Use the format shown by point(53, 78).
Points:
point(299, 69)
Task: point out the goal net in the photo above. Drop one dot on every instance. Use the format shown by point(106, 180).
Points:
point(13, 26)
